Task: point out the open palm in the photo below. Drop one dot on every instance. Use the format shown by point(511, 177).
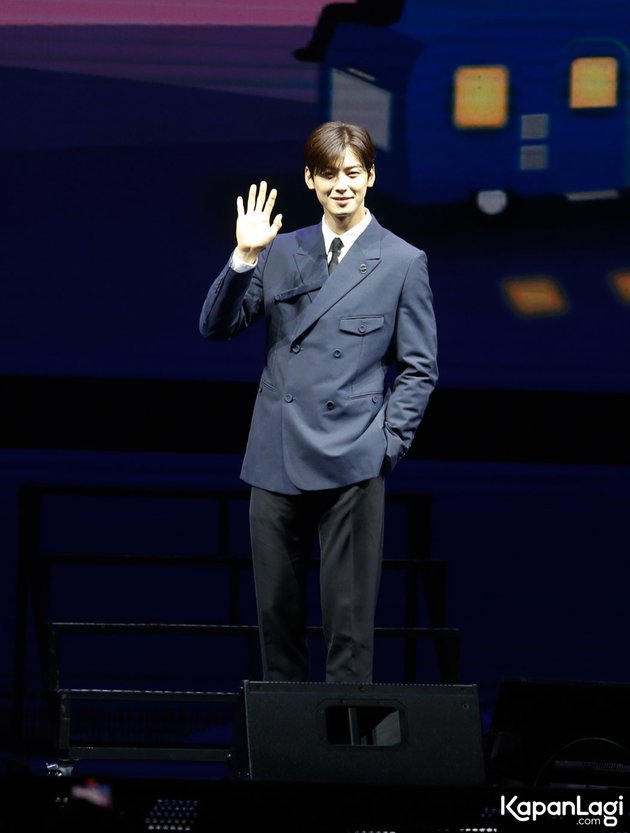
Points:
point(254, 227)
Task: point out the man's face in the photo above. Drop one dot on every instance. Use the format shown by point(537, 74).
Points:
point(341, 191)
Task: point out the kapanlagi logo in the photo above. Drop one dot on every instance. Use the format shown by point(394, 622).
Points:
point(587, 813)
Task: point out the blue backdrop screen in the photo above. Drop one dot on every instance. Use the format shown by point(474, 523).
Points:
point(503, 137)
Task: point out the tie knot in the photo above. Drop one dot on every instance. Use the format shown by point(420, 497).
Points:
point(335, 247)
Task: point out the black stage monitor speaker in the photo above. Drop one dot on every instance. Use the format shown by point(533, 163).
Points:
point(560, 733)
point(373, 733)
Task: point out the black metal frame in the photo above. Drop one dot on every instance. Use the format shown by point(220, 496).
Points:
point(34, 587)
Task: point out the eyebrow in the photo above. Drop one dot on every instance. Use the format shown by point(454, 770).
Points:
point(331, 169)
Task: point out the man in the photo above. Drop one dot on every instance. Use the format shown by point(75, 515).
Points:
point(343, 301)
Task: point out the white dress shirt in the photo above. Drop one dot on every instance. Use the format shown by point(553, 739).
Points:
point(347, 238)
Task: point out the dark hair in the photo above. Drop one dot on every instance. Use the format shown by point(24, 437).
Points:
point(327, 144)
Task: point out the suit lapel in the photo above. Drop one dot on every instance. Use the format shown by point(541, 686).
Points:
point(363, 257)
point(310, 258)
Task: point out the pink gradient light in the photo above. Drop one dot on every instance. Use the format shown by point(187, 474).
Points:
point(167, 12)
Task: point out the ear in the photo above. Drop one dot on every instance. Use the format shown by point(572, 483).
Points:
point(308, 178)
point(371, 176)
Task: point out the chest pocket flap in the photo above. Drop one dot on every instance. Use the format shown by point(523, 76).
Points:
point(361, 325)
point(297, 291)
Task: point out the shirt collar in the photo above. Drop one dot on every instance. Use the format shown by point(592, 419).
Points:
point(348, 237)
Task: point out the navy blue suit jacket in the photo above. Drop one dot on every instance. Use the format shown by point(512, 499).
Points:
point(326, 415)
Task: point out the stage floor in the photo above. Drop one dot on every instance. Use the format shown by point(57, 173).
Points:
point(42, 804)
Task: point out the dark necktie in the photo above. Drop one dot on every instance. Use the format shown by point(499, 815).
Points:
point(335, 248)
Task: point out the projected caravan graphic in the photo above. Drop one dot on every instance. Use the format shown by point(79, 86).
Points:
point(489, 100)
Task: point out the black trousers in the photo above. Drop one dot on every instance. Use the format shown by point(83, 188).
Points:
point(349, 524)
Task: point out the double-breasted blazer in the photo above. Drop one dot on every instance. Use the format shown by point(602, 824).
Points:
point(351, 358)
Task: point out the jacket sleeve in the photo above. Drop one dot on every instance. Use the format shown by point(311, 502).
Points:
point(234, 301)
point(416, 359)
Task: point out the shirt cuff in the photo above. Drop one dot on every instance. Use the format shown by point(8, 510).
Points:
point(239, 265)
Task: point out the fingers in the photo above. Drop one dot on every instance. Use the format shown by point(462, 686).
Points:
point(262, 194)
point(264, 203)
point(257, 199)
point(251, 198)
point(271, 201)
point(254, 224)
point(251, 201)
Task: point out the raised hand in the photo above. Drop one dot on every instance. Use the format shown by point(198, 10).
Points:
point(254, 228)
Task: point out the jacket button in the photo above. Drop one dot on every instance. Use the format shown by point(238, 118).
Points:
point(375, 399)
point(288, 397)
point(337, 354)
point(295, 348)
point(330, 404)
point(362, 328)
